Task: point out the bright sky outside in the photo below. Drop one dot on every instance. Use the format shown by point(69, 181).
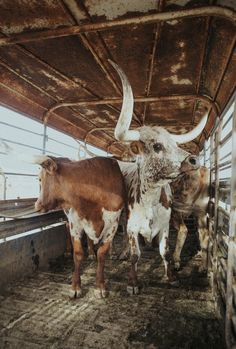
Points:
point(14, 129)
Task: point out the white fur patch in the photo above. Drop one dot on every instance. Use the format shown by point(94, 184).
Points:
point(149, 217)
point(77, 225)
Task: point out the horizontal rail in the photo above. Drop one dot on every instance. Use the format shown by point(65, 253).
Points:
point(203, 11)
point(28, 146)
point(37, 134)
point(226, 138)
point(15, 227)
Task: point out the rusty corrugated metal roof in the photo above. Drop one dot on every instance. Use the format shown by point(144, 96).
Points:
point(179, 56)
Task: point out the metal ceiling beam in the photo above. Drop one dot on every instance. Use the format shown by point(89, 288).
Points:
point(157, 33)
point(215, 11)
point(73, 8)
point(202, 59)
point(81, 116)
point(227, 61)
point(204, 99)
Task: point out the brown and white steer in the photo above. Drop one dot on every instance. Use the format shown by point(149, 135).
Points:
point(191, 196)
point(94, 193)
point(158, 161)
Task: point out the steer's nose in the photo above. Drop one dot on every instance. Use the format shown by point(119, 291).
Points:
point(190, 163)
point(38, 206)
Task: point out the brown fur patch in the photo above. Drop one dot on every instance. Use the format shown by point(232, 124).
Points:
point(164, 199)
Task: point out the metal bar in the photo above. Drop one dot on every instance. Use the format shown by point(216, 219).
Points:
point(216, 137)
point(225, 168)
point(6, 66)
point(61, 75)
point(71, 7)
point(226, 138)
point(225, 163)
point(44, 138)
point(148, 87)
point(37, 134)
point(225, 156)
point(28, 146)
point(59, 142)
point(228, 59)
point(202, 59)
point(21, 174)
point(230, 339)
point(16, 202)
point(96, 129)
point(4, 184)
point(202, 98)
point(20, 128)
point(153, 54)
point(14, 227)
point(227, 121)
point(138, 20)
point(29, 54)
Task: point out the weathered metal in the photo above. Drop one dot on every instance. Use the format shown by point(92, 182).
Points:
point(14, 227)
point(145, 19)
point(230, 305)
point(167, 49)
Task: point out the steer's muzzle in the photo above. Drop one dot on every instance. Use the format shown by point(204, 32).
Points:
point(190, 163)
point(38, 206)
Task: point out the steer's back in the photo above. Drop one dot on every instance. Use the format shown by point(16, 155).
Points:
point(96, 180)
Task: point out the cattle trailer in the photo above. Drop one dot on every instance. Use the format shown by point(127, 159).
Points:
point(179, 56)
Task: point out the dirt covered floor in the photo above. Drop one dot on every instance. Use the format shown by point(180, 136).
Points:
point(36, 312)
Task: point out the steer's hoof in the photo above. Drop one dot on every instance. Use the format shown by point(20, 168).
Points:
point(72, 294)
point(177, 266)
point(198, 256)
point(123, 256)
point(202, 270)
point(75, 293)
point(91, 257)
point(100, 293)
point(78, 293)
point(174, 283)
point(132, 290)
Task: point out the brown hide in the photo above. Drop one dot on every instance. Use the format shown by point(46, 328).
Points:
point(190, 193)
point(88, 186)
point(191, 196)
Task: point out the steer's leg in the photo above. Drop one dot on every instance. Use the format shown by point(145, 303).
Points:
point(78, 255)
point(181, 237)
point(110, 224)
point(100, 290)
point(132, 287)
point(204, 240)
point(165, 254)
point(91, 254)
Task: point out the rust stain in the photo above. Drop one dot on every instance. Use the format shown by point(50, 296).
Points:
point(46, 72)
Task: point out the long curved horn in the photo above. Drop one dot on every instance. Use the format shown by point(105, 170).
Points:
point(194, 133)
point(122, 132)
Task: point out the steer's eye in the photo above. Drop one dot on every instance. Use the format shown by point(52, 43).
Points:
point(158, 147)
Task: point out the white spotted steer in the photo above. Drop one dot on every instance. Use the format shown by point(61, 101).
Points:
point(158, 161)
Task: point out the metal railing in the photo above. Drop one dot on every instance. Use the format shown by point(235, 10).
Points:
point(220, 156)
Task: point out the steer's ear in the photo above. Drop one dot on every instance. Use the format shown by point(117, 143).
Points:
point(137, 147)
point(50, 165)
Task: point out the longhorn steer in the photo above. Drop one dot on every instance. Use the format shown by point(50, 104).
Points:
point(93, 190)
point(158, 161)
point(191, 196)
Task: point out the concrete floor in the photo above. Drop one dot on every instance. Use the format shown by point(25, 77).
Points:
point(36, 312)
